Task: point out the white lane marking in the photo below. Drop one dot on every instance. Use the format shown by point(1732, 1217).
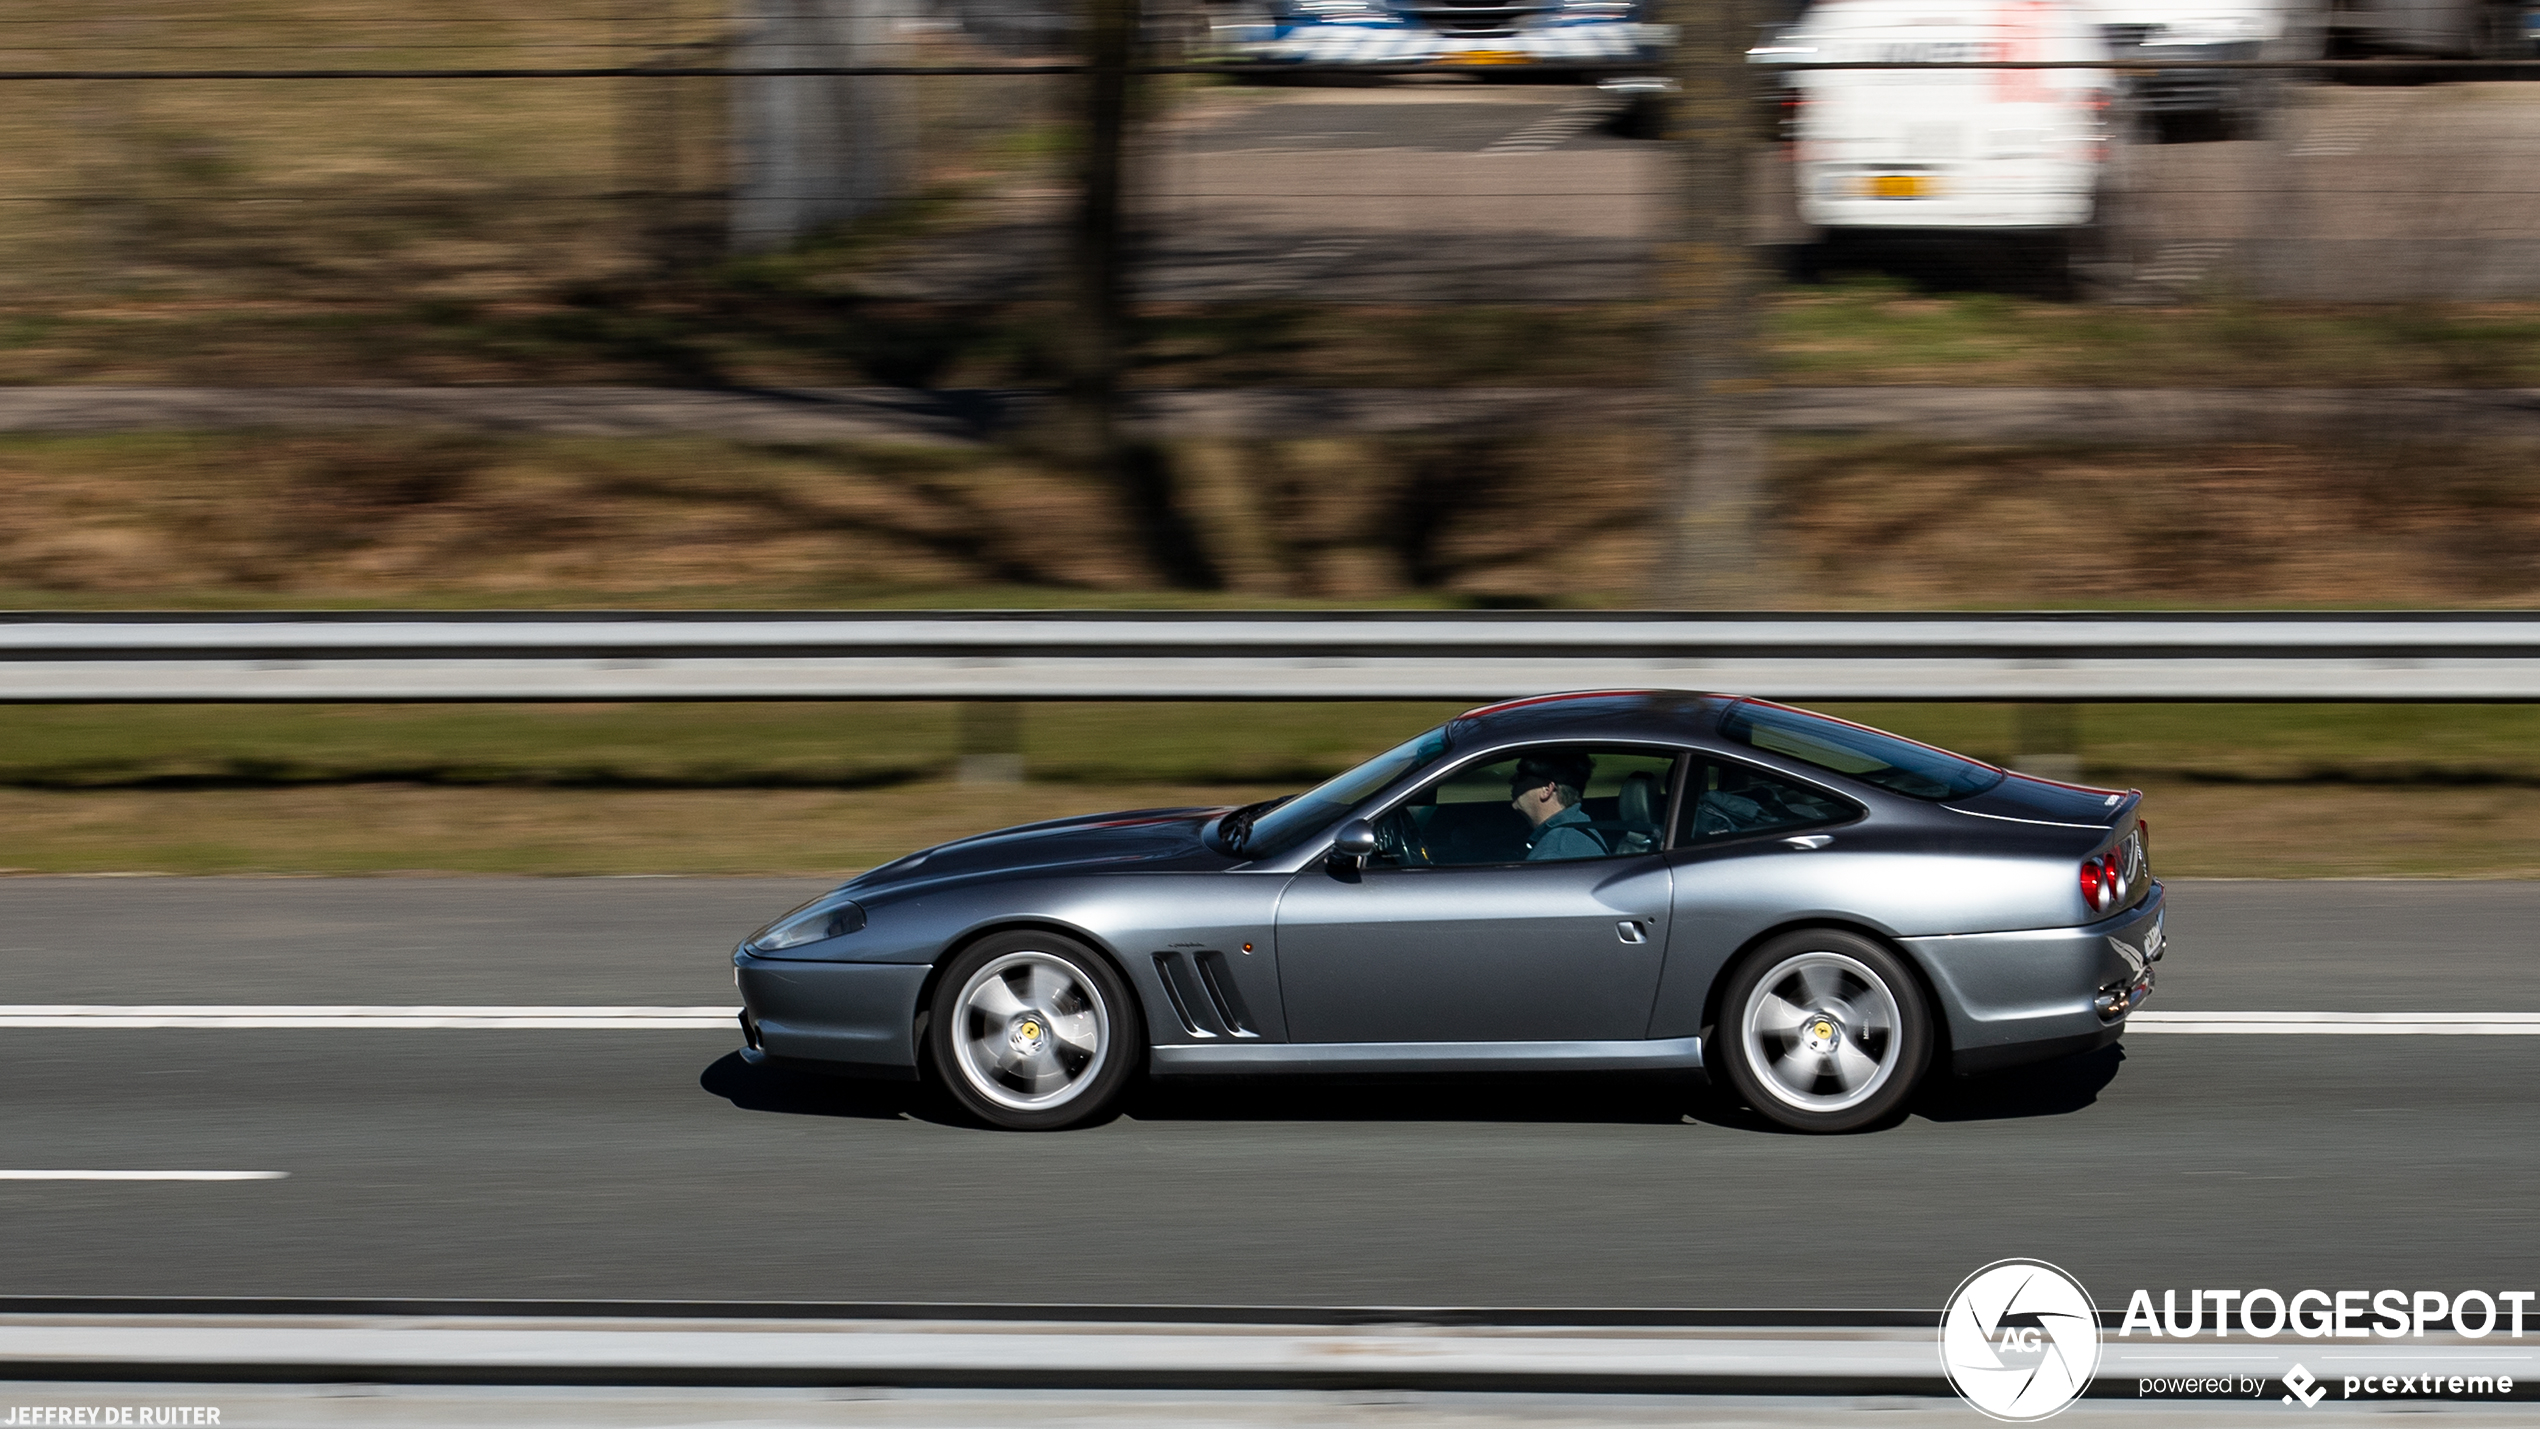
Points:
point(2181, 265)
point(143, 1175)
point(638, 1018)
point(2348, 1024)
point(2353, 124)
point(287, 1015)
point(1557, 128)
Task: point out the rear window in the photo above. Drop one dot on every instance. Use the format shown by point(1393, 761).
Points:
point(1871, 756)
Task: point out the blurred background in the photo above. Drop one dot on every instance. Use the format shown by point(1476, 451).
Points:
point(1241, 303)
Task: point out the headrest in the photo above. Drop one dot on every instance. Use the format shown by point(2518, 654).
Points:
point(1638, 803)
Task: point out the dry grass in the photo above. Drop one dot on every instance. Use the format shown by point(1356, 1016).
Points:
point(1546, 517)
point(2199, 830)
point(387, 828)
point(2423, 523)
point(1883, 331)
point(2331, 831)
point(410, 520)
point(798, 746)
point(2233, 791)
point(310, 194)
point(433, 521)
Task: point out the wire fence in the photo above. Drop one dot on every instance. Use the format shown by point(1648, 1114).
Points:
point(1408, 324)
point(465, 164)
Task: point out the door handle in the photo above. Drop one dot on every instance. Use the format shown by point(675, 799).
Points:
point(1808, 841)
point(1632, 931)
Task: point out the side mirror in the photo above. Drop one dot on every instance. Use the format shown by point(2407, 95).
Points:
point(1355, 841)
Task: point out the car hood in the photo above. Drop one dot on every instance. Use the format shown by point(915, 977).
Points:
point(1147, 839)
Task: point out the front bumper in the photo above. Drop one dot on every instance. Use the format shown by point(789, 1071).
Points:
point(854, 1017)
point(2186, 91)
point(2012, 998)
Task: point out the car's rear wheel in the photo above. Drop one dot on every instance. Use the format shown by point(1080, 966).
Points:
point(1823, 1030)
point(1033, 1031)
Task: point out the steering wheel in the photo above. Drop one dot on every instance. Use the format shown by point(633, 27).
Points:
point(1398, 840)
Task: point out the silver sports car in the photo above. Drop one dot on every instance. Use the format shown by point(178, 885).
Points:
point(1814, 910)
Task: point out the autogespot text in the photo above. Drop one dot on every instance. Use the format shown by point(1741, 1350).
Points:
point(2328, 1314)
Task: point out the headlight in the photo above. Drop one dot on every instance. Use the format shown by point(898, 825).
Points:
point(831, 915)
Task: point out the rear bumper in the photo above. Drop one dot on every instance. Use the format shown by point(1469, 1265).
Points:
point(1542, 46)
point(2011, 998)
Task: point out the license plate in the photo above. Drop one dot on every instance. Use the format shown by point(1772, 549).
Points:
point(1900, 186)
point(1487, 57)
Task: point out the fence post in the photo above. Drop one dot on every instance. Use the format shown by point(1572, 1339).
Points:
point(1708, 295)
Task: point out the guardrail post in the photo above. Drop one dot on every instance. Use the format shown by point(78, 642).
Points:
point(991, 743)
point(2049, 740)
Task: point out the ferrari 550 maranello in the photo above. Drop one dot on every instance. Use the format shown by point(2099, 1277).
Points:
point(1818, 912)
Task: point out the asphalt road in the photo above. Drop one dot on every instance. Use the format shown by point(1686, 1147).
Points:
point(655, 1165)
point(1464, 192)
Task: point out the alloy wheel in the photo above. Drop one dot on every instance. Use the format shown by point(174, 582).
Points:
point(1033, 1031)
point(1821, 1031)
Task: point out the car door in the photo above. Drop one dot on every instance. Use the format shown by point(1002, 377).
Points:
point(1751, 848)
point(1454, 934)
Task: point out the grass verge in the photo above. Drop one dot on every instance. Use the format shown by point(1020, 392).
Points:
point(2200, 830)
point(2232, 791)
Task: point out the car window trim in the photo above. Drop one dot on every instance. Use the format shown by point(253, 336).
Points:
point(1683, 755)
point(1860, 810)
point(1686, 759)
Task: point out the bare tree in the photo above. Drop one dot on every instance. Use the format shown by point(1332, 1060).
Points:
point(1708, 294)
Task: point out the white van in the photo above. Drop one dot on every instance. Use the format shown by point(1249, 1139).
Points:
point(2020, 150)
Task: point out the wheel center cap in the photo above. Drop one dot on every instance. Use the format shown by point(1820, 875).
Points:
point(1028, 1035)
point(1821, 1033)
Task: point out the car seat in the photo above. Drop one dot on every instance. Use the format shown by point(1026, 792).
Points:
point(1638, 808)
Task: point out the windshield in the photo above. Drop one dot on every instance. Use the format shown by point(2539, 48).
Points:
point(1280, 828)
point(1889, 761)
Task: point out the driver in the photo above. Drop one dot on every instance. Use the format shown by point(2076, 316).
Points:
point(1546, 788)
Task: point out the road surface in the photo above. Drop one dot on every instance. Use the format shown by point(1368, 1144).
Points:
point(656, 1165)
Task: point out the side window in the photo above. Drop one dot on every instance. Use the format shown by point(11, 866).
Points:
point(1725, 800)
point(1550, 803)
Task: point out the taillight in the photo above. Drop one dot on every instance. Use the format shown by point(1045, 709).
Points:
point(2108, 879)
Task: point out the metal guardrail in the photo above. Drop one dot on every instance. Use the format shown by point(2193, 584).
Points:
point(1078, 655)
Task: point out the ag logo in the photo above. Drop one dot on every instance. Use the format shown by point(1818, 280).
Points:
point(2020, 1340)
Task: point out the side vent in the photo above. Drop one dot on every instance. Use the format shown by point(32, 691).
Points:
point(1228, 999)
point(1182, 989)
point(1204, 994)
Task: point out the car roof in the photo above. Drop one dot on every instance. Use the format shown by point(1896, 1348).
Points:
point(1663, 715)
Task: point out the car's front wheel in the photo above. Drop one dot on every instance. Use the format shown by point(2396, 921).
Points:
point(1032, 1031)
point(1824, 1030)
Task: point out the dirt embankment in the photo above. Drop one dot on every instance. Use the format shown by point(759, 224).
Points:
point(1521, 517)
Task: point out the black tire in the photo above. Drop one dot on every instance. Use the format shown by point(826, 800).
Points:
point(1016, 1055)
point(1833, 990)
